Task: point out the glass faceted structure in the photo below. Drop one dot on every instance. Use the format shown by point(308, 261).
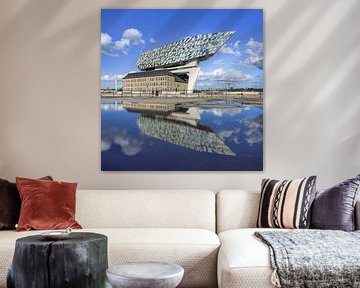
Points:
point(199, 47)
point(182, 57)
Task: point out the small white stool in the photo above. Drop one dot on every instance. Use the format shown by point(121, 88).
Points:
point(145, 275)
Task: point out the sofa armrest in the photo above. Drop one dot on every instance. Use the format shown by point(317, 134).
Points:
point(357, 215)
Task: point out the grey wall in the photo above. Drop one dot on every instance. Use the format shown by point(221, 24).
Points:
point(50, 106)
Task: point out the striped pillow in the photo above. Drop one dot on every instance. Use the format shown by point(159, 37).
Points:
point(286, 204)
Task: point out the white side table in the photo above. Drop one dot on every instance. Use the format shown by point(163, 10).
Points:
point(145, 275)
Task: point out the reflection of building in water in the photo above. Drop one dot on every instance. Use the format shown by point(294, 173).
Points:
point(112, 106)
point(177, 131)
point(191, 116)
point(145, 106)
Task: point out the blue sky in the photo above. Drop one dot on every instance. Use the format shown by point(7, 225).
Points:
point(126, 33)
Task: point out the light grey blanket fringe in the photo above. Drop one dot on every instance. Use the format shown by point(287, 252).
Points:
point(313, 258)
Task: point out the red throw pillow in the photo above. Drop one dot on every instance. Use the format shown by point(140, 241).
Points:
point(46, 204)
point(10, 204)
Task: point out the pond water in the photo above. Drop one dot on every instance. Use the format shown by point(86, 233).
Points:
point(211, 136)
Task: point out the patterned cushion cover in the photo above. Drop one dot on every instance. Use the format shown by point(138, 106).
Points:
point(286, 204)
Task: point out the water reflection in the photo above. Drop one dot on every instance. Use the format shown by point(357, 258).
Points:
point(112, 106)
point(181, 130)
point(202, 137)
point(130, 146)
point(220, 112)
point(228, 133)
point(253, 129)
point(232, 135)
point(191, 116)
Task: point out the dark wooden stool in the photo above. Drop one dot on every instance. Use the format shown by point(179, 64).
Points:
point(79, 261)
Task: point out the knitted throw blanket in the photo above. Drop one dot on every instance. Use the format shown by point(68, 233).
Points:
point(313, 258)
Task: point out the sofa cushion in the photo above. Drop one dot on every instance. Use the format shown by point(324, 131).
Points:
point(153, 209)
point(46, 204)
point(236, 209)
point(286, 204)
point(244, 261)
point(334, 208)
point(194, 249)
point(10, 204)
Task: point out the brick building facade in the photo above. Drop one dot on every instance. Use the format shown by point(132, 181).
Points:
point(155, 83)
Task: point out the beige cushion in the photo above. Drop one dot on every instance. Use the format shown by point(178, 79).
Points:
point(146, 209)
point(236, 209)
point(194, 249)
point(244, 261)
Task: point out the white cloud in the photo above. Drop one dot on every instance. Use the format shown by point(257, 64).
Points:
point(237, 44)
point(122, 43)
point(231, 135)
point(228, 133)
point(152, 40)
point(134, 36)
point(108, 46)
point(219, 61)
point(220, 112)
point(130, 146)
point(254, 44)
point(224, 75)
point(254, 53)
point(112, 107)
point(107, 77)
point(225, 133)
point(130, 37)
point(105, 39)
point(253, 131)
point(229, 50)
point(105, 145)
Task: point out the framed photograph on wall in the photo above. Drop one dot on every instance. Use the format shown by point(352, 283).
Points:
point(182, 90)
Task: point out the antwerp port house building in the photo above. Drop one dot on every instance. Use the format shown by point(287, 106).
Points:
point(174, 67)
point(153, 83)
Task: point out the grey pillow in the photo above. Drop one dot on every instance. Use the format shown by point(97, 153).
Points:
point(334, 208)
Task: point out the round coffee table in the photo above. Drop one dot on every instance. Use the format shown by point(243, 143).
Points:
point(145, 275)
